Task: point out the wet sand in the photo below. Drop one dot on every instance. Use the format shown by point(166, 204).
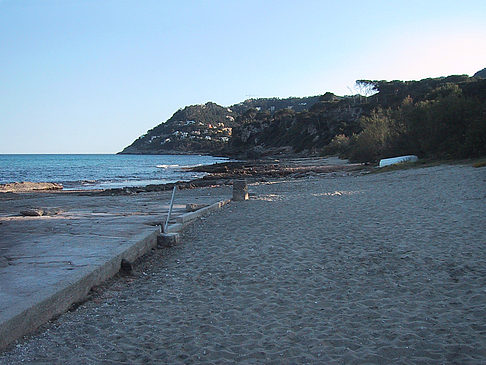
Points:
point(381, 268)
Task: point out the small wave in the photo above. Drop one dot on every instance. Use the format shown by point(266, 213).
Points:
point(166, 166)
point(188, 167)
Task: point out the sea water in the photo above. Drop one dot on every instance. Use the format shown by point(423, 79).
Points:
point(101, 171)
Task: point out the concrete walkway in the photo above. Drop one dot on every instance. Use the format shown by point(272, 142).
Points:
point(47, 263)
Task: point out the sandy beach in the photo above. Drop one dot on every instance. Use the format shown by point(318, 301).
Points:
point(379, 268)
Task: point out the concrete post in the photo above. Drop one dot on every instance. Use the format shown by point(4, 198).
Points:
point(240, 190)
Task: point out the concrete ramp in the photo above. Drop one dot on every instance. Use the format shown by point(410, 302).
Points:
point(51, 262)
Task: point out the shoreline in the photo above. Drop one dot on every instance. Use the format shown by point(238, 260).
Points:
point(222, 174)
point(347, 267)
point(23, 173)
point(261, 170)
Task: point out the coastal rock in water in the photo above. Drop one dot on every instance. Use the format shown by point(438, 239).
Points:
point(38, 212)
point(3, 261)
point(52, 211)
point(32, 212)
point(25, 186)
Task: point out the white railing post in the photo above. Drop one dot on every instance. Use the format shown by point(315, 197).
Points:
point(170, 210)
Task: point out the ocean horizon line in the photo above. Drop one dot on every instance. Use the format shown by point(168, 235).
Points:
point(100, 154)
point(56, 153)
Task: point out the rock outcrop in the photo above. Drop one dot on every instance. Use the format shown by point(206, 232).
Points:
point(39, 212)
point(27, 186)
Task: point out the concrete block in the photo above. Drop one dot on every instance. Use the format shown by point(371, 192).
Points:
point(168, 239)
point(52, 301)
point(240, 190)
point(186, 218)
point(192, 207)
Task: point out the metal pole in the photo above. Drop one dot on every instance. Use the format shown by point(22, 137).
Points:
point(170, 210)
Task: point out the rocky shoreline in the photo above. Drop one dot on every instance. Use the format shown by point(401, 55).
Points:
point(218, 175)
point(253, 171)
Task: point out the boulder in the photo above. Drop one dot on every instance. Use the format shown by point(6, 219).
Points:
point(38, 212)
point(32, 212)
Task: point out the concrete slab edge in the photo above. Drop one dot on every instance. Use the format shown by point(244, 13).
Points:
point(30, 319)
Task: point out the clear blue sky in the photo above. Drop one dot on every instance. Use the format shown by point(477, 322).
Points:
point(90, 76)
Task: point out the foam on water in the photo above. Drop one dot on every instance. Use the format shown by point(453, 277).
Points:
point(167, 166)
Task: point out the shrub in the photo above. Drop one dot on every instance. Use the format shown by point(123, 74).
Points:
point(380, 134)
point(339, 145)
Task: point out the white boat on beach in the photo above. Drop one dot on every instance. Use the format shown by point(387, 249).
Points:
point(394, 160)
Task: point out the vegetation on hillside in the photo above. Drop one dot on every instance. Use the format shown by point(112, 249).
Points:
point(435, 118)
point(207, 128)
point(194, 129)
point(441, 117)
point(309, 130)
point(481, 73)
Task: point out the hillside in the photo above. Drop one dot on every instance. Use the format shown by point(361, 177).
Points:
point(434, 117)
point(481, 73)
point(287, 131)
point(196, 128)
point(207, 128)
